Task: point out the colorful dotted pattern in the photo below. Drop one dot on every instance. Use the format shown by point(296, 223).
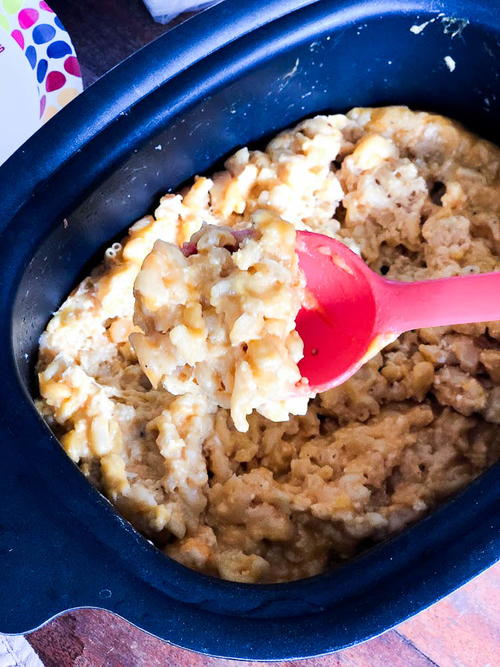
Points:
point(18, 36)
point(27, 18)
point(48, 49)
point(43, 33)
point(58, 49)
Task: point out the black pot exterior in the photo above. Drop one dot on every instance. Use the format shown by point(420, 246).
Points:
point(236, 74)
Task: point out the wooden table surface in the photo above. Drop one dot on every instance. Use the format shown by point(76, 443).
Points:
point(461, 631)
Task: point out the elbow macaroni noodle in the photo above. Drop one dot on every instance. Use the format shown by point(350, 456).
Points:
point(221, 322)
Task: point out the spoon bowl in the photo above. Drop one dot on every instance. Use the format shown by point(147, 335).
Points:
point(350, 312)
point(338, 320)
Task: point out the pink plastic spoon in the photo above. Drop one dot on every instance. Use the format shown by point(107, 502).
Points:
point(352, 312)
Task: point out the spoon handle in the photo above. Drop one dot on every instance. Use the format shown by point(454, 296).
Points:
point(431, 303)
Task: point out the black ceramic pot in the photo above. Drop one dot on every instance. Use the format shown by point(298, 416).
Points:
point(236, 74)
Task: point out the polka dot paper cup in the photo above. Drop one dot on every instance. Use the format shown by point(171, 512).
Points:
point(39, 72)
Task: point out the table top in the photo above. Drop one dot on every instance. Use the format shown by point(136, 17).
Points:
point(462, 630)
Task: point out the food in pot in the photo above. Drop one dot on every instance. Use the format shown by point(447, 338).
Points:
point(221, 321)
point(419, 197)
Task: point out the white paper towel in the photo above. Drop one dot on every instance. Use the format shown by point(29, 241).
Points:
point(16, 652)
point(165, 10)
